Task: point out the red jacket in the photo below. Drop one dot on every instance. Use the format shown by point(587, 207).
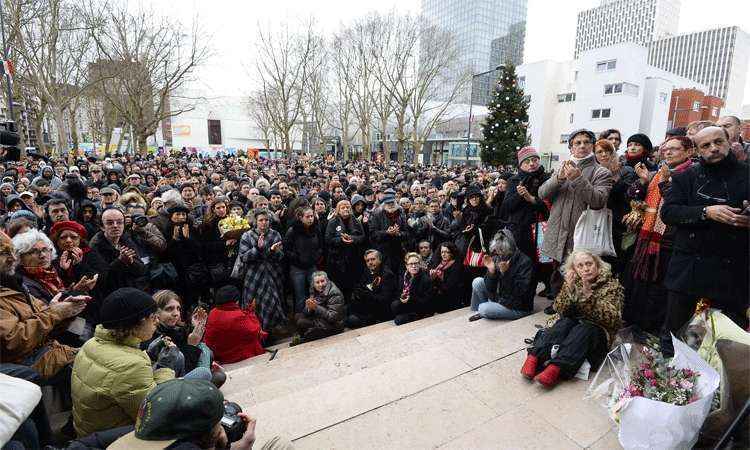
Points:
point(233, 334)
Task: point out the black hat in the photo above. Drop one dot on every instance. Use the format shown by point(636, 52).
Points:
point(179, 207)
point(227, 294)
point(575, 133)
point(198, 404)
point(677, 131)
point(125, 307)
point(473, 191)
point(640, 138)
point(367, 190)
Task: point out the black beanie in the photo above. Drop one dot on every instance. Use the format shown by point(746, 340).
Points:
point(640, 138)
point(126, 307)
point(226, 294)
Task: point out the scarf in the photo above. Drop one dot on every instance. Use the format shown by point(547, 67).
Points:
point(46, 277)
point(408, 280)
point(580, 160)
point(438, 272)
point(646, 256)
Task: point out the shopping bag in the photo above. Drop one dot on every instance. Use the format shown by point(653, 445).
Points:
point(474, 258)
point(593, 232)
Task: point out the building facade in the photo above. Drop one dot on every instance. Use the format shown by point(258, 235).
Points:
point(690, 105)
point(718, 58)
point(610, 87)
point(487, 33)
point(616, 21)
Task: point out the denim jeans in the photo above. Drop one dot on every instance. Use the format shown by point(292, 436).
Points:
point(488, 309)
point(300, 285)
point(199, 373)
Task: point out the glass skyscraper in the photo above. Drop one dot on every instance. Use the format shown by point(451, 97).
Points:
point(487, 32)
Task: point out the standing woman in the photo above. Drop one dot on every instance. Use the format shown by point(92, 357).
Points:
point(415, 301)
point(344, 236)
point(645, 295)
point(261, 257)
point(215, 249)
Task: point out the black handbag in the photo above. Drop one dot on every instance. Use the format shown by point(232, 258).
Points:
point(218, 273)
point(162, 275)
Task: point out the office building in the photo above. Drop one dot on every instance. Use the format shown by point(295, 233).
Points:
point(616, 21)
point(690, 105)
point(717, 58)
point(487, 33)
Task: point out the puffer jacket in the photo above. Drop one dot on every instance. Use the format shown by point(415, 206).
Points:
point(28, 327)
point(329, 313)
point(109, 382)
point(569, 199)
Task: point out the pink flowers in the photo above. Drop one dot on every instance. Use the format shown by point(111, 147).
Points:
point(655, 379)
point(648, 373)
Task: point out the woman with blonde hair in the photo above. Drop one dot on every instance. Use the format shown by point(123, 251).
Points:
point(588, 316)
point(414, 302)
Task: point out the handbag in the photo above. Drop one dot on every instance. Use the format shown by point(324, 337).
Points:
point(593, 232)
point(238, 270)
point(474, 258)
point(217, 273)
point(162, 275)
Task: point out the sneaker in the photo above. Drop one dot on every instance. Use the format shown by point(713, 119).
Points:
point(549, 377)
point(528, 369)
point(475, 317)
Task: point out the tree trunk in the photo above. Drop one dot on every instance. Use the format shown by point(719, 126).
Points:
point(58, 113)
point(39, 130)
point(142, 143)
point(74, 130)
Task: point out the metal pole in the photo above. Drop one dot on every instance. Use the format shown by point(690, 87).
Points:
point(5, 57)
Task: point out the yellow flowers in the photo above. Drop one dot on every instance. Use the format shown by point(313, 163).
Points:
point(233, 224)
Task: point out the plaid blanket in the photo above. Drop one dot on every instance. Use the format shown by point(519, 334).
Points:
point(263, 277)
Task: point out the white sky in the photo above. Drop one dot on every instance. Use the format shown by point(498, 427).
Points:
point(550, 32)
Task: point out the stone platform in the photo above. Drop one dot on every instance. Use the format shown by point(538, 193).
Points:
point(441, 382)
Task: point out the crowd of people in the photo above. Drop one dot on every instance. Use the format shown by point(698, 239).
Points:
point(117, 274)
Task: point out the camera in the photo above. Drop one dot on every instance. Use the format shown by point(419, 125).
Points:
point(140, 220)
point(232, 423)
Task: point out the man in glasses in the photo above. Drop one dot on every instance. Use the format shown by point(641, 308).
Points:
point(120, 252)
point(708, 206)
point(578, 184)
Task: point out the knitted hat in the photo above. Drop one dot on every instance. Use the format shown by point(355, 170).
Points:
point(63, 225)
point(526, 153)
point(25, 214)
point(642, 139)
point(227, 294)
point(126, 307)
point(575, 133)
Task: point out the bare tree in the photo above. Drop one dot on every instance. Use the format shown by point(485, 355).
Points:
point(284, 60)
point(145, 59)
point(260, 117)
point(343, 103)
point(317, 89)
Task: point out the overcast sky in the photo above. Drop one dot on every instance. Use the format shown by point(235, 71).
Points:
point(550, 32)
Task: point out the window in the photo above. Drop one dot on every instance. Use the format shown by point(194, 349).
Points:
point(714, 111)
point(604, 66)
point(214, 132)
point(603, 113)
point(567, 97)
point(564, 138)
point(696, 106)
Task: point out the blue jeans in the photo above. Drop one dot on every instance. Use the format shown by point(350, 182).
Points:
point(199, 373)
point(300, 285)
point(488, 309)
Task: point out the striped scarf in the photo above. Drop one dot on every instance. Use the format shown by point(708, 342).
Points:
point(646, 256)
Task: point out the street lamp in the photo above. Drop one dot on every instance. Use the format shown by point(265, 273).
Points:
point(471, 103)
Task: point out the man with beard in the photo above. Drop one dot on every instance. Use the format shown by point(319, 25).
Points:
point(388, 233)
point(373, 294)
point(343, 237)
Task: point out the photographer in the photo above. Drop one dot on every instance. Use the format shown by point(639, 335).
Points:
point(206, 421)
point(144, 233)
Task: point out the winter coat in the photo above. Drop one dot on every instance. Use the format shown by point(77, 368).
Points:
point(150, 238)
point(522, 215)
point(619, 202)
point(91, 264)
point(303, 247)
point(450, 291)
point(330, 310)
point(119, 274)
point(569, 199)
point(263, 277)
point(384, 290)
point(439, 231)
point(513, 289)
point(109, 382)
point(710, 259)
point(602, 308)
point(420, 300)
point(27, 327)
point(344, 258)
point(390, 246)
point(233, 334)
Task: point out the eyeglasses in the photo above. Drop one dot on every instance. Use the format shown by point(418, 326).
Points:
point(39, 251)
point(704, 196)
point(413, 264)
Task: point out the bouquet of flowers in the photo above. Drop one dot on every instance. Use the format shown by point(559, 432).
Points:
point(233, 227)
point(657, 403)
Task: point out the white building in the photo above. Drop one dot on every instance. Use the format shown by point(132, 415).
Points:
point(717, 58)
point(611, 87)
point(616, 21)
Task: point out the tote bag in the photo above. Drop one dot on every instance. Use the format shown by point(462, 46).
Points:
point(594, 232)
point(474, 258)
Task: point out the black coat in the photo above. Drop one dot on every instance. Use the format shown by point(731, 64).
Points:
point(379, 298)
point(303, 247)
point(520, 214)
point(391, 246)
point(120, 275)
point(344, 258)
point(710, 259)
point(450, 292)
point(515, 288)
point(420, 300)
point(91, 263)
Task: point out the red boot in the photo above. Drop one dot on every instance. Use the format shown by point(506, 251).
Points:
point(528, 369)
point(549, 377)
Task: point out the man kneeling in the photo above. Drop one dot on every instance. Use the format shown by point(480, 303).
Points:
point(323, 314)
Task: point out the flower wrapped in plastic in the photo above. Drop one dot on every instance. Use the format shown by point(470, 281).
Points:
point(657, 403)
point(233, 227)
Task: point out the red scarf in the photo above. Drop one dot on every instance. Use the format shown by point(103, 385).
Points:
point(46, 277)
point(438, 272)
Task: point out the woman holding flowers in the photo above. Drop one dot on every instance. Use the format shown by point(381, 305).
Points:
point(588, 316)
point(215, 248)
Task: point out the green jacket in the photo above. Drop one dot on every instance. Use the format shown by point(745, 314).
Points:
point(109, 382)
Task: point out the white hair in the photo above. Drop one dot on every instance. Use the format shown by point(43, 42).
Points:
point(24, 242)
point(264, 182)
point(171, 196)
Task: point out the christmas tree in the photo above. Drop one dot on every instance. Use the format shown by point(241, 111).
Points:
point(504, 128)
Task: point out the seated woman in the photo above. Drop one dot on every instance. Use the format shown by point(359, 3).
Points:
point(111, 374)
point(232, 333)
point(507, 290)
point(324, 311)
point(195, 354)
point(448, 279)
point(414, 301)
point(588, 316)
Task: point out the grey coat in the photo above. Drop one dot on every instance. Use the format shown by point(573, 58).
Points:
point(569, 199)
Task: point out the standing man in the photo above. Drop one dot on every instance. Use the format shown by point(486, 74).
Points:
point(580, 183)
point(733, 125)
point(708, 206)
